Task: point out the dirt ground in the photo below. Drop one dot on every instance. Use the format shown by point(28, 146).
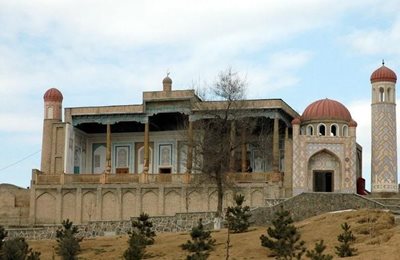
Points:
point(377, 238)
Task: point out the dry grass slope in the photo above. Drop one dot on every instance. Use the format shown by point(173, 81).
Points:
point(377, 238)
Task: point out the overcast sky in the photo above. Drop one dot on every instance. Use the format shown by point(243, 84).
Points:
point(107, 52)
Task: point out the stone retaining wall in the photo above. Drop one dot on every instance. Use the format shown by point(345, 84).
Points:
point(181, 222)
point(308, 205)
point(301, 207)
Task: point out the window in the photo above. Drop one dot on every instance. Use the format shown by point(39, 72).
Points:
point(310, 130)
point(345, 130)
point(50, 113)
point(321, 130)
point(334, 130)
point(381, 95)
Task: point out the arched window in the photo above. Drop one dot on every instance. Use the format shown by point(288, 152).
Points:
point(389, 95)
point(50, 113)
point(302, 130)
point(321, 130)
point(381, 95)
point(345, 130)
point(310, 130)
point(334, 130)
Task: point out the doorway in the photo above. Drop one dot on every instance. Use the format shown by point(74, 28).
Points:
point(323, 181)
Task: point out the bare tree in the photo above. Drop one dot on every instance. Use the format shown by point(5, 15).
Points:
point(217, 135)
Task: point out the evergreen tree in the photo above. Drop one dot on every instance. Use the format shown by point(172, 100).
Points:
point(346, 239)
point(68, 244)
point(201, 243)
point(143, 226)
point(317, 252)
point(18, 249)
point(283, 238)
point(238, 216)
point(3, 235)
point(137, 246)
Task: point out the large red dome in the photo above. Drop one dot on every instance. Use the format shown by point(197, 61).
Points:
point(383, 74)
point(326, 109)
point(53, 94)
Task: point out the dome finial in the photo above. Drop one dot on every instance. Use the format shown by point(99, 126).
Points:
point(383, 62)
point(167, 82)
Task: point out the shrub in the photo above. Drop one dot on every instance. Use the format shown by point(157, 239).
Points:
point(68, 244)
point(317, 252)
point(3, 235)
point(136, 248)
point(18, 249)
point(238, 216)
point(201, 243)
point(143, 227)
point(283, 238)
point(346, 239)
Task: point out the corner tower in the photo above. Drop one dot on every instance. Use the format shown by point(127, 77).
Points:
point(383, 131)
point(52, 115)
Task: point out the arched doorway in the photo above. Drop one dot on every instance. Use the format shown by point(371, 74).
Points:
point(324, 172)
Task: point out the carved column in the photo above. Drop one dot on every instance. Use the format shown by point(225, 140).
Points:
point(244, 150)
point(232, 144)
point(275, 146)
point(189, 159)
point(146, 148)
point(108, 153)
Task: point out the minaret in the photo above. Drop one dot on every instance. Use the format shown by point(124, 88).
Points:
point(383, 130)
point(52, 114)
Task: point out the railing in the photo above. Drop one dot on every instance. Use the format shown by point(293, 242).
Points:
point(65, 179)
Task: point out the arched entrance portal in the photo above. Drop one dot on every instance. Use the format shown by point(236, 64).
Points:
point(324, 172)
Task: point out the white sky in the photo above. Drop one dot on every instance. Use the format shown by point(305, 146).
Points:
point(108, 52)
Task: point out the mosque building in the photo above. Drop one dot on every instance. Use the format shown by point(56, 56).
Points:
point(114, 162)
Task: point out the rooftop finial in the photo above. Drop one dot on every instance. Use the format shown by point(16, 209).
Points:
point(167, 82)
point(383, 62)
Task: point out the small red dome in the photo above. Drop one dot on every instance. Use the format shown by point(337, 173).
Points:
point(383, 74)
point(353, 123)
point(296, 121)
point(326, 109)
point(53, 94)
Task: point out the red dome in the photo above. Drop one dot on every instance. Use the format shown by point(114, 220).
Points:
point(296, 121)
point(383, 74)
point(53, 94)
point(326, 109)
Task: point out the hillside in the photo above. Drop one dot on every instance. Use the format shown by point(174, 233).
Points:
point(377, 238)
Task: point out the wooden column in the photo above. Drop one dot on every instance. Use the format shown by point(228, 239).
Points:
point(108, 153)
point(275, 146)
point(286, 133)
point(146, 148)
point(189, 159)
point(244, 150)
point(232, 144)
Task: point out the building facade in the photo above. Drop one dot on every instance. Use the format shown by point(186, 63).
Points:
point(114, 162)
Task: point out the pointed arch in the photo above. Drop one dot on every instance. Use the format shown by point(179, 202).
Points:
point(45, 201)
point(327, 163)
point(172, 203)
point(109, 209)
point(129, 207)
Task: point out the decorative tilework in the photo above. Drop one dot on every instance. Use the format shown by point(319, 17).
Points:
point(384, 148)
